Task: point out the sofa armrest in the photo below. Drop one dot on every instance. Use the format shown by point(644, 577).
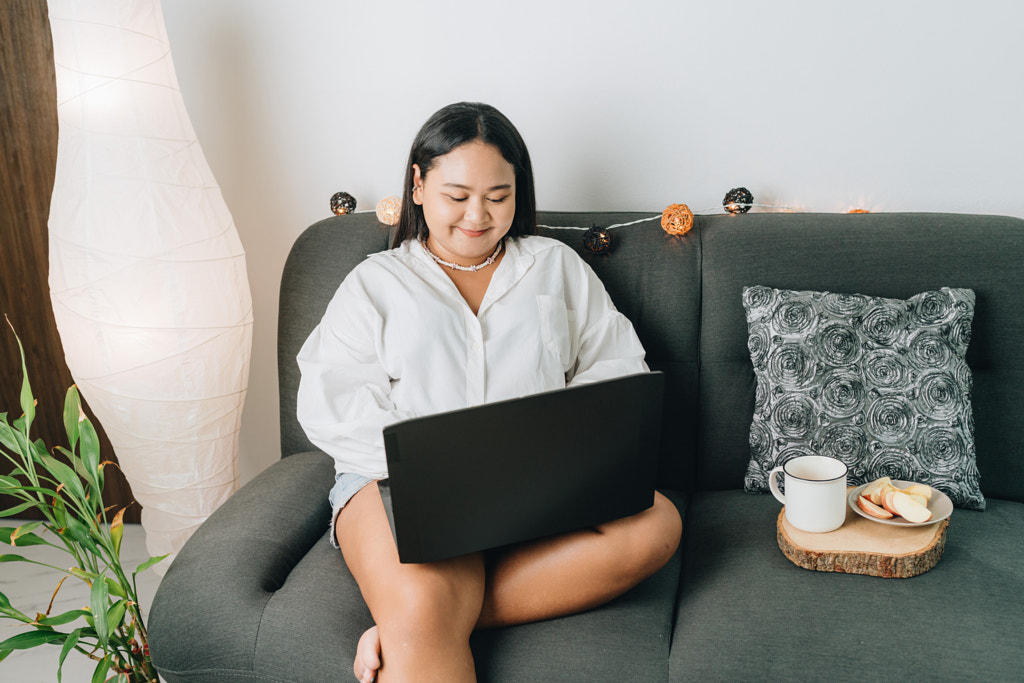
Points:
point(216, 590)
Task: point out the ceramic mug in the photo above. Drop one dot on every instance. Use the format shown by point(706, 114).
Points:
point(815, 497)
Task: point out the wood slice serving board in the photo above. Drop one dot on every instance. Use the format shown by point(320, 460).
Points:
point(861, 546)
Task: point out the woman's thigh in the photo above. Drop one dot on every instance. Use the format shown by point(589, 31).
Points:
point(452, 589)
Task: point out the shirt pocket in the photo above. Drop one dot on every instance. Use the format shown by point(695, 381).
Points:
point(556, 329)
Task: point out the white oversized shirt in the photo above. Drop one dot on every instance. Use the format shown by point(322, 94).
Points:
point(399, 341)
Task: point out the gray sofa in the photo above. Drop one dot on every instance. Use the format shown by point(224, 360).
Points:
point(258, 594)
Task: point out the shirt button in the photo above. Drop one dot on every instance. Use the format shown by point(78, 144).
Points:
point(476, 346)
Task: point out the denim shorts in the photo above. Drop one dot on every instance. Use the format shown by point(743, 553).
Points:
point(345, 486)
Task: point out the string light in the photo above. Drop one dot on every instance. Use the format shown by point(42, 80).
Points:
point(738, 200)
point(677, 219)
point(342, 203)
point(389, 209)
point(597, 240)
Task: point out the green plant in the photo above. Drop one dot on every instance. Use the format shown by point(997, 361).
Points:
point(66, 486)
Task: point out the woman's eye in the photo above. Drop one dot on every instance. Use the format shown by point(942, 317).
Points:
point(497, 200)
point(456, 199)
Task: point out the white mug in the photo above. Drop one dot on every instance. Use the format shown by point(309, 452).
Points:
point(815, 496)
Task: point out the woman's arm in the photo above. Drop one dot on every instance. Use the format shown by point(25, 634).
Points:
point(344, 392)
point(608, 344)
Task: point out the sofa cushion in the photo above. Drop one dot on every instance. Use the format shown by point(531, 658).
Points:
point(747, 613)
point(880, 384)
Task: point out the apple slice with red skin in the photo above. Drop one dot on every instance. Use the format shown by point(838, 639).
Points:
point(887, 501)
point(872, 509)
point(873, 491)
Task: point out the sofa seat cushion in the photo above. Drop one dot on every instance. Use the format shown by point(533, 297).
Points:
point(745, 612)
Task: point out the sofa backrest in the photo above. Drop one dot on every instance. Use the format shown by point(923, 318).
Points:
point(683, 295)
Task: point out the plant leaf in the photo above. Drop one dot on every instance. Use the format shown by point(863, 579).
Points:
point(7, 436)
point(10, 612)
point(100, 674)
point(90, 446)
point(65, 475)
point(17, 509)
point(20, 537)
point(117, 530)
point(25, 530)
point(114, 588)
point(13, 558)
point(116, 615)
point(99, 600)
point(69, 645)
point(149, 563)
point(28, 402)
point(61, 619)
point(72, 410)
point(30, 639)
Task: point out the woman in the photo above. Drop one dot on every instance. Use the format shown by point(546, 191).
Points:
point(468, 307)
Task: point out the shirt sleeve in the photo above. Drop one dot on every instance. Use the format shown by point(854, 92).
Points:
point(343, 398)
point(608, 345)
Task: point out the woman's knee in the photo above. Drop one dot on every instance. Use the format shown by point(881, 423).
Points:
point(666, 529)
point(648, 540)
point(433, 598)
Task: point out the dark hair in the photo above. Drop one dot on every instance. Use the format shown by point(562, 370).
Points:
point(451, 127)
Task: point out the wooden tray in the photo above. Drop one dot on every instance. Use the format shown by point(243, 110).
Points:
point(861, 546)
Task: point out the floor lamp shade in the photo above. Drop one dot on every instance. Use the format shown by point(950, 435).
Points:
point(147, 273)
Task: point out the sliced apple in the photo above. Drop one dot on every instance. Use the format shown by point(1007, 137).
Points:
point(887, 497)
point(872, 509)
point(909, 509)
point(873, 490)
point(923, 490)
point(920, 499)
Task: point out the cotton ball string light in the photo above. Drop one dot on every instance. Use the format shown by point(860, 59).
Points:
point(597, 240)
point(342, 203)
point(738, 200)
point(677, 219)
point(389, 209)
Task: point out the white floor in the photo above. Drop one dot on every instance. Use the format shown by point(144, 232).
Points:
point(29, 587)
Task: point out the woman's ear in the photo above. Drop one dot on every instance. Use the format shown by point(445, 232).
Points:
point(417, 185)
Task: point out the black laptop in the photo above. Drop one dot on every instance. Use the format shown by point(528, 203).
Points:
point(524, 468)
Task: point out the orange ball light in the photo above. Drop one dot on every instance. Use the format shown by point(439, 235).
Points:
point(677, 219)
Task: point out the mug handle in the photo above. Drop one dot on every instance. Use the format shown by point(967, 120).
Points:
point(773, 484)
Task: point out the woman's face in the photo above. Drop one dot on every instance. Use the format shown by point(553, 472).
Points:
point(468, 200)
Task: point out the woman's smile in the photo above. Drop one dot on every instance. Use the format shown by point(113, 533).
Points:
point(468, 200)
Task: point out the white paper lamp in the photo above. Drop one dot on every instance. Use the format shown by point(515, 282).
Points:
point(147, 273)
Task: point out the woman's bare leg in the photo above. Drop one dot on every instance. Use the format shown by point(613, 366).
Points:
point(578, 571)
point(424, 613)
point(557, 576)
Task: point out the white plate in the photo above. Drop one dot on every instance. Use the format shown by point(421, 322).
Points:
point(940, 505)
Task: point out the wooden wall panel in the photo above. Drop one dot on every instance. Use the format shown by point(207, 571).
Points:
point(28, 149)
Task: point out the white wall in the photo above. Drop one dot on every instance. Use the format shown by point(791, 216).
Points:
point(891, 105)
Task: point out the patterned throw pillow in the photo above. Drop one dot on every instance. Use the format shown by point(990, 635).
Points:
point(880, 384)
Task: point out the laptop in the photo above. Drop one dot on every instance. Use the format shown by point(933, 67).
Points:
point(524, 468)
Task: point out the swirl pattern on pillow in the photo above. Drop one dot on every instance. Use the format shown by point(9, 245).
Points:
point(880, 384)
